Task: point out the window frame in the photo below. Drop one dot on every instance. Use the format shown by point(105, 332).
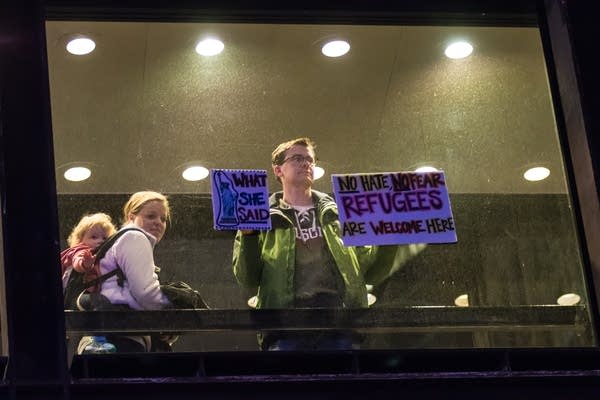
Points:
point(23, 215)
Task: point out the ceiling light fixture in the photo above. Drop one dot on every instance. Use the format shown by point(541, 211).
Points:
point(209, 47)
point(335, 48)
point(426, 168)
point(462, 300)
point(81, 46)
point(371, 299)
point(77, 174)
point(568, 299)
point(458, 50)
point(195, 173)
point(536, 174)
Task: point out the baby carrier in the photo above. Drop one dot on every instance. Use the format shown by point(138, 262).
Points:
point(180, 294)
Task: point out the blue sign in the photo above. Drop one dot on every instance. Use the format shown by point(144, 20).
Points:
point(240, 199)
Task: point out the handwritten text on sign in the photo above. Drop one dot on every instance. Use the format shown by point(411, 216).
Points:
point(394, 208)
point(240, 199)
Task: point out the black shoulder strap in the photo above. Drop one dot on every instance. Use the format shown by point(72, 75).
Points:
point(117, 271)
point(100, 252)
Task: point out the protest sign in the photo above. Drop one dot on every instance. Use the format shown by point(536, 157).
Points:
point(394, 208)
point(240, 199)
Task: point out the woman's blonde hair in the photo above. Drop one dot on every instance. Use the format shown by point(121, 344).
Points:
point(86, 223)
point(139, 200)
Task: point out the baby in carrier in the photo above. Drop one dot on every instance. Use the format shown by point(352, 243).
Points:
point(89, 233)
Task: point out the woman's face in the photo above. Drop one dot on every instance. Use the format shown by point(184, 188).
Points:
point(152, 218)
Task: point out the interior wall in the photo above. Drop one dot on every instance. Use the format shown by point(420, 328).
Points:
point(144, 105)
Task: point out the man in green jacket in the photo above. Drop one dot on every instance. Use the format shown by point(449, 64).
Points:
point(302, 262)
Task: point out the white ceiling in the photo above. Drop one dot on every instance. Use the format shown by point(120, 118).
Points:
point(144, 103)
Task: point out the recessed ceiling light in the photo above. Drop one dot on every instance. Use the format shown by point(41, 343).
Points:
point(195, 173)
point(77, 174)
point(371, 299)
point(335, 48)
point(462, 300)
point(458, 50)
point(209, 47)
point(426, 168)
point(318, 173)
point(81, 46)
point(253, 301)
point(536, 174)
point(568, 299)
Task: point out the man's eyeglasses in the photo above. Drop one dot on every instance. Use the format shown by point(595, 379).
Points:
point(299, 159)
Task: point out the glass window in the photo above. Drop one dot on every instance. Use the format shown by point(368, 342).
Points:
point(143, 105)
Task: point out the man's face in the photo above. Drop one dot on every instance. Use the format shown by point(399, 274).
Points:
point(298, 167)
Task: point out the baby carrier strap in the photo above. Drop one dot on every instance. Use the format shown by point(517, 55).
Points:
point(100, 252)
point(77, 282)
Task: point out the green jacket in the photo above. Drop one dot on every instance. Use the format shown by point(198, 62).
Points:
point(267, 260)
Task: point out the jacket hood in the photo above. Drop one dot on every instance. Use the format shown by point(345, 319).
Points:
point(325, 204)
point(318, 197)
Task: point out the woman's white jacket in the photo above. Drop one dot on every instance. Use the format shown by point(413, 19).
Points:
point(133, 252)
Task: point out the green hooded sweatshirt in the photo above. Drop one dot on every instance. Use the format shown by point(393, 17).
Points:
point(266, 260)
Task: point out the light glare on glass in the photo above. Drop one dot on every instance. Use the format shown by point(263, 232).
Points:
point(81, 46)
point(77, 174)
point(536, 174)
point(195, 173)
point(318, 173)
point(335, 48)
point(209, 47)
point(458, 50)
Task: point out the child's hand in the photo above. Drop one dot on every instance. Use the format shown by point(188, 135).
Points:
point(83, 261)
point(88, 259)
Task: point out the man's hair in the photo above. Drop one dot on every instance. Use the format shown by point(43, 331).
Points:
point(278, 155)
